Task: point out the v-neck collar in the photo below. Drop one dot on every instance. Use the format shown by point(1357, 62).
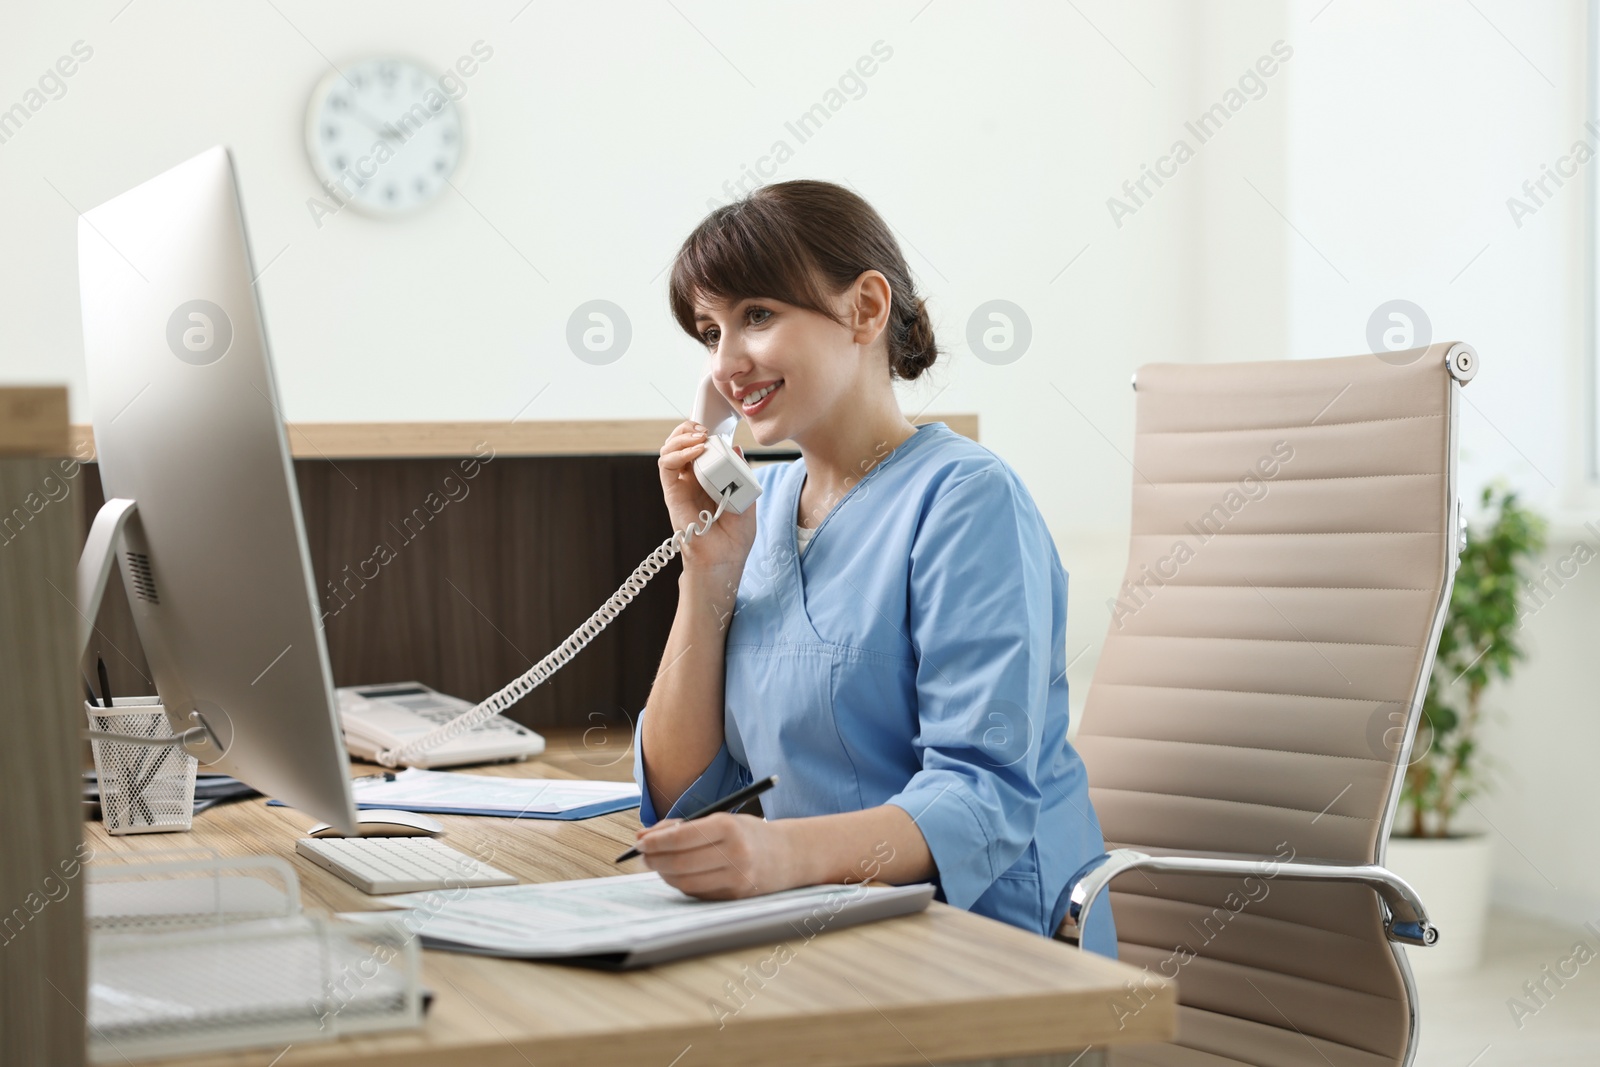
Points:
point(909, 444)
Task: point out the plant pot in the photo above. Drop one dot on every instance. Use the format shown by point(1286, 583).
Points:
point(1451, 874)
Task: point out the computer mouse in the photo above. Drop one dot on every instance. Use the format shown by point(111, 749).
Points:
point(386, 822)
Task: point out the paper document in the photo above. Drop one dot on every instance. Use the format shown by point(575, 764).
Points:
point(451, 792)
point(635, 915)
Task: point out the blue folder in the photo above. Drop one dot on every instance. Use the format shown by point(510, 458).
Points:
point(589, 811)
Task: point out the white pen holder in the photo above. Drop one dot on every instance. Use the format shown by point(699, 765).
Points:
point(144, 789)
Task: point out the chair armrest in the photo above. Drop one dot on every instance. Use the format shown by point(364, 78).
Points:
point(1407, 921)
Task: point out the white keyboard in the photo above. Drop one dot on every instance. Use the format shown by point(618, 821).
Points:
point(399, 864)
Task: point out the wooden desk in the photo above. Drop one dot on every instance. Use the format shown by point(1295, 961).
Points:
point(941, 986)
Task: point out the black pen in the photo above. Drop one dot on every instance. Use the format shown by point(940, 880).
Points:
point(88, 687)
point(727, 803)
point(105, 681)
point(144, 757)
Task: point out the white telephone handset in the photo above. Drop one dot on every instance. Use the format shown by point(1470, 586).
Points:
point(725, 477)
point(719, 467)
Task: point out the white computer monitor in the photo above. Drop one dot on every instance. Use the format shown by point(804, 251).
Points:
point(188, 426)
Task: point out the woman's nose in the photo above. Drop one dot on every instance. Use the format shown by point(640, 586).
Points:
point(729, 361)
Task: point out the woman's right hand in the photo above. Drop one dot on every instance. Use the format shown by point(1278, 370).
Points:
point(726, 545)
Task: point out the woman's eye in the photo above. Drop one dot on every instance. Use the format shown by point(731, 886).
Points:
point(758, 315)
point(710, 337)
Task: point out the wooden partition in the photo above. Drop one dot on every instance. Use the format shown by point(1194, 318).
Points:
point(42, 947)
point(463, 583)
point(459, 554)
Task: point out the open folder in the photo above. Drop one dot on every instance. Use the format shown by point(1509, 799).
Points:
point(632, 920)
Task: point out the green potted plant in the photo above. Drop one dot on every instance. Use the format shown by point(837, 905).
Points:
point(1480, 644)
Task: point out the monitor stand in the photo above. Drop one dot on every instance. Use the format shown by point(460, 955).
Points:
point(94, 571)
point(94, 566)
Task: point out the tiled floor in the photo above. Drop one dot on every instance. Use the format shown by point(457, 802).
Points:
point(1466, 1020)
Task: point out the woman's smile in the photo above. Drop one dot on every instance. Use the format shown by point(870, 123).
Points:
point(754, 401)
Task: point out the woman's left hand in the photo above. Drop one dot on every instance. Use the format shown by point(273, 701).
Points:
point(722, 856)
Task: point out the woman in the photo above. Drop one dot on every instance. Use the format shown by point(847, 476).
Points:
point(884, 630)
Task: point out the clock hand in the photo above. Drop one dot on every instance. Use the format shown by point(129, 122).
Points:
point(382, 129)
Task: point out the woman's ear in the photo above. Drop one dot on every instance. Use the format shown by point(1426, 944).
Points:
point(869, 311)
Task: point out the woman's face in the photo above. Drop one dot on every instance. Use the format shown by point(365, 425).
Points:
point(782, 367)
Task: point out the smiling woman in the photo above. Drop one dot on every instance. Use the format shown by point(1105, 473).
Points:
point(885, 630)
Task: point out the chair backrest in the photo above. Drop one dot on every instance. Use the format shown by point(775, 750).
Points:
point(1293, 543)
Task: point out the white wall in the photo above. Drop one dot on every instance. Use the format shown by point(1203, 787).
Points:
point(1413, 125)
point(1543, 809)
point(991, 140)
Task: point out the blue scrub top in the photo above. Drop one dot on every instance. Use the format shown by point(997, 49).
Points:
point(915, 655)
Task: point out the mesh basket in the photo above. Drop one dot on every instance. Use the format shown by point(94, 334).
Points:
point(156, 891)
point(143, 789)
point(208, 955)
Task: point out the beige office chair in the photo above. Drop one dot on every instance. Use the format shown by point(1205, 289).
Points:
point(1294, 542)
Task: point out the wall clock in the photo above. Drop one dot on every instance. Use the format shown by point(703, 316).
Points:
point(383, 135)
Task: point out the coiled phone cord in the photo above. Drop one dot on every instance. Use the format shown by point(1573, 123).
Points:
point(540, 672)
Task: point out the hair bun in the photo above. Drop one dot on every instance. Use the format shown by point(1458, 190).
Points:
point(920, 347)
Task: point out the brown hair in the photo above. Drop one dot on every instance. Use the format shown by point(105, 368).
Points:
point(798, 242)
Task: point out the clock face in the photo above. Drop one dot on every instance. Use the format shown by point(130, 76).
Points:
point(383, 135)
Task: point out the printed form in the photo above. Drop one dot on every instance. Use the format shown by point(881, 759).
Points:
point(600, 915)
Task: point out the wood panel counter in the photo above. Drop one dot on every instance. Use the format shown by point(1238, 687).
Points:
point(41, 711)
point(458, 554)
point(542, 437)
